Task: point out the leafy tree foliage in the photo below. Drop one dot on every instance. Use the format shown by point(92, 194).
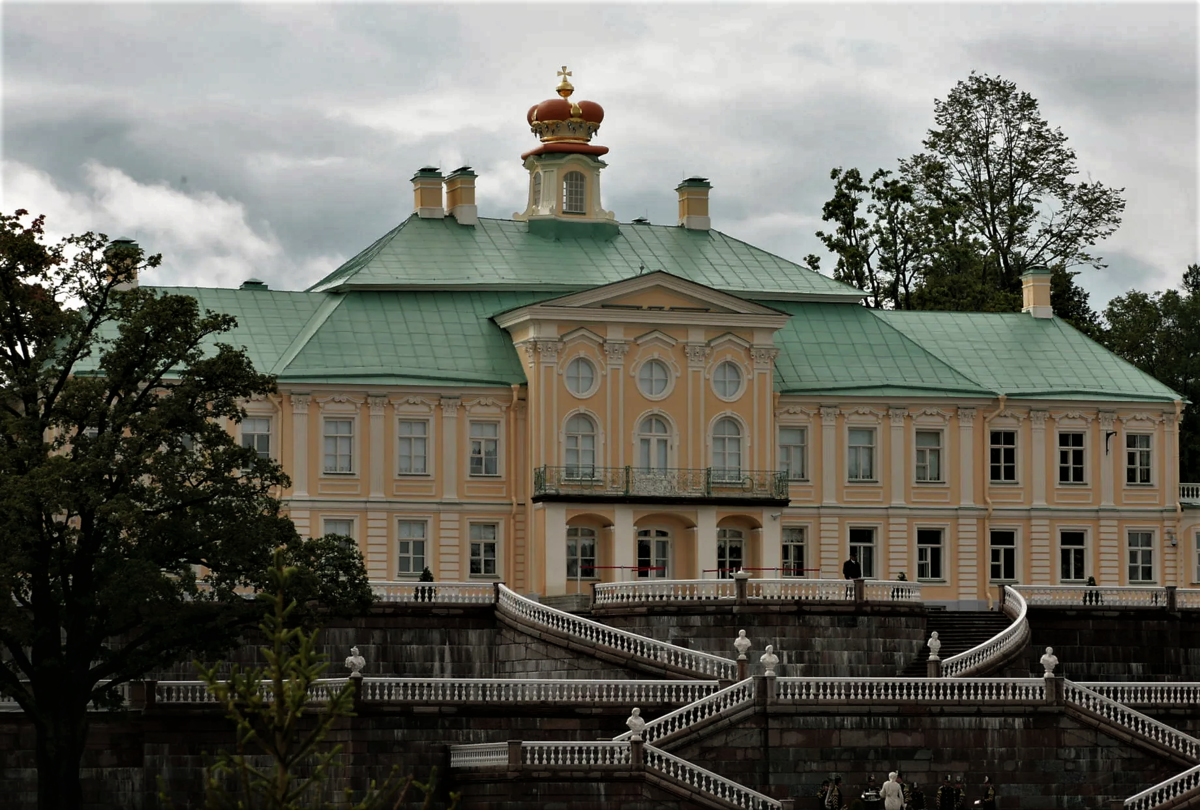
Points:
point(119, 481)
point(1160, 334)
point(992, 196)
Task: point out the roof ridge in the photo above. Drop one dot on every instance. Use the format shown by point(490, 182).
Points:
point(789, 261)
point(366, 254)
point(875, 313)
point(1062, 324)
point(315, 321)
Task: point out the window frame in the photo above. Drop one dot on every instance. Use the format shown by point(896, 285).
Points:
point(724, 473)
point(939, 455)
point(1014, 449)
point(668, 538)
point(1012, 553)
point(730, 535)
point(802, 447)
point(1146, 553)
point(1081, 549)
point(572, 193)
point(335, 518)
point(935, 556)
point(582, 393)
point(870, 454)
point(785, 544)
point(269, 433)
point(668, 385)
point(577, 558)
point(482, 455)
point(353, 442)
point(737, 392)
point(427, 439)
point(482, 542)
point(1076, 462)
point(424, 540)
point(1138, 467)
point(567, 436)
point(858, 546)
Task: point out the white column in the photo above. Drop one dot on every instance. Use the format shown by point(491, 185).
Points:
point(1038, 451)
point(300, 444)
point(378, 445)
point(624, 542)
point(449, 457)
point(706, 540)
point(555, 554)
point(829, 446)
point(1108, 452)
point(897, 453)
point(966, 457)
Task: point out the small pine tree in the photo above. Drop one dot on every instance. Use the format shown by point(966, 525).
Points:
point(267, 705)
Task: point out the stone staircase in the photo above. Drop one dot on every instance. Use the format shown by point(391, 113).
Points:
point(959, 631)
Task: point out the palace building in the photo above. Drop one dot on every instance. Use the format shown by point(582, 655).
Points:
point(562, 398)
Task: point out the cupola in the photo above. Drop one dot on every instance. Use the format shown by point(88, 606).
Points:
point(564, 170)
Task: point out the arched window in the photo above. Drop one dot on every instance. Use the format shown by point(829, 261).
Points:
point(653, 439)
point(727, 450)
point(574, 201)
point(731, 551)
point(580, 447)
point(537, 189)
point(581, 552)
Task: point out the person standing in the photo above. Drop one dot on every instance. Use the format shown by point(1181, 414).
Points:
point(892, 793)
point(833, 796)
point(850, 568)
point(946, 797)
point(988, 801)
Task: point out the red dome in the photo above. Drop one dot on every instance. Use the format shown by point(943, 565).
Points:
point(552, 109)
point(591, 111)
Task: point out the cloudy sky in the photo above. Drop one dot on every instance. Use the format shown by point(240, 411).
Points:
point(278, 140)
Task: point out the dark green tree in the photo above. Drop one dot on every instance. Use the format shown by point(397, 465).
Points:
point(1160, 334)
point(120, 485)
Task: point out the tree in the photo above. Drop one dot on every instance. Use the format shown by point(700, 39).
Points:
point(118, 483)
point(1160, 334)
point(274, 713)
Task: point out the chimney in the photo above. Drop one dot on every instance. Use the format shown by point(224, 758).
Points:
point(460, 196)
point(1035, 292)
point(427, 193)
point(122, 256)
point(693, 203)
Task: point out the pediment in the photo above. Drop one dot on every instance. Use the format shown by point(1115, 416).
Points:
point(660, 292)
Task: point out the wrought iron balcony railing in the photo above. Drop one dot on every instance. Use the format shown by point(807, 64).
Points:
point(638, 482)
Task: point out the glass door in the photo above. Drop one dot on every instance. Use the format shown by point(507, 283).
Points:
point(653, 553)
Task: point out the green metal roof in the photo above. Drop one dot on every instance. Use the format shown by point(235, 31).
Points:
point(854, 351)
point(502, 254)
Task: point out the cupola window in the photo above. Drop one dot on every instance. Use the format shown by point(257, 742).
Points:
point(573, 193)
point(537, 189)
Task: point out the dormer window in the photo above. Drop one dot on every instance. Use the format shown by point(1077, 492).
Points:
point(573, 193)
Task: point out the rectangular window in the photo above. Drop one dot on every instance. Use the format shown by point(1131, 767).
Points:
point(1141, 558)
point(861, 462)
point(793, 552)
point(929, 456)
point(862, 543)
point(485, 448)
point(1072, 549)
point(339, 446)
point(1003, 456)
point(483, 549)
point(1070, 458)
point(929, 554)
point(1137, 458)
point(1004, 556)
point(256, 434)
point(793, 444)
point(342, 526)
point(414, 447)
point(410, 547)
point(581, 552)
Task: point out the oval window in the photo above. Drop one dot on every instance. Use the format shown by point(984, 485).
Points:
point(653, 378)
point(727, 380)
point(581, 376)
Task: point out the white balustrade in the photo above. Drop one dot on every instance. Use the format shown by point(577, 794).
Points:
point(799, 588)
point(484, 755)
point(881, 590)
point(1162, 793)
point(1131, 720)
point(1189, 493)
point(568, 692)
point(704, 781)
point(1153, 694)
point(936, 691)
point(998, 648)
point(454, 593)
point(1187, 599)
point(183, 692)
point(1075, 596)
point(575, 754)
point(735, 696)
point(664, 590)
point(593, 634)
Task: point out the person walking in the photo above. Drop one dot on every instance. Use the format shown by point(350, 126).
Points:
point(892, 793)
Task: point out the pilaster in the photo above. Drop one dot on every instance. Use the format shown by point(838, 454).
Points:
point(300, 403)
point(966, 456)
point(624, 543)
point(706, 541)
point(1109, 452)
point(378, 445)
point(1038, 451)
point(449, 459)
point(899, 479)
point(829, 445)
point(555, 553)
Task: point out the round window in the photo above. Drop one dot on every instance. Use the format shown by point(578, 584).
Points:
point(653, 378)
point(727, 380)
point(581, 376)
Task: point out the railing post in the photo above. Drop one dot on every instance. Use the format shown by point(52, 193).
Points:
point(743, 668)
point(495, 593)
point(860, 590)
point(708, 482)
point(356, 683)
point(933, 668)
point(761, 695)
point(739, 585)
point(637, 757)
point(1171, 596)
point(628, 479)
point(1054, 690)
point(142, 694)
point(787, 804)
point(514, 755)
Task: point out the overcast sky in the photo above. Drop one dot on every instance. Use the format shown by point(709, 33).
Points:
point(278, 140)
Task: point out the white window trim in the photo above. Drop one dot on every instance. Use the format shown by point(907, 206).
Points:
point(743, 439)
point(876, 531)
point(808, 533)
point(272, 429)
point(876, 447)
point(395, 550)
point(1125, 434)
point(500, 450)
point(670, 538)
point(943, 455)
point(672, 437)
point(355, 442)
point(1009, 426)
point(1017, 546)
point(328, 516)
point(808, 434)
point(1087, 457)
point(599, 434)
point(499, 524)
point(1154, 555)
point(673, 373)
point(430, 455)
point(1086, 531)
point(595, 575)
point(597, 375)
point(743, 372)
point(944, 528)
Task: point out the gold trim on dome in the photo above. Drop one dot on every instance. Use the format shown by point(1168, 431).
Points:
point(565, 88)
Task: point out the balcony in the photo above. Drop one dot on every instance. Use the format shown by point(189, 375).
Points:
point(1189, 494)
point(671, 486)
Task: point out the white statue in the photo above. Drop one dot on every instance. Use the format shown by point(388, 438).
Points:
point(1049, 662)
point(636, 724)
point(742, 644)
point(934, 645)
point(769, 660)
point(355, 663)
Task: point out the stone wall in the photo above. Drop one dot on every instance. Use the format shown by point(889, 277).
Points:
point(810, 642)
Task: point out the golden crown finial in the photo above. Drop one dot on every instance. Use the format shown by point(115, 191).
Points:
point(565, 88)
